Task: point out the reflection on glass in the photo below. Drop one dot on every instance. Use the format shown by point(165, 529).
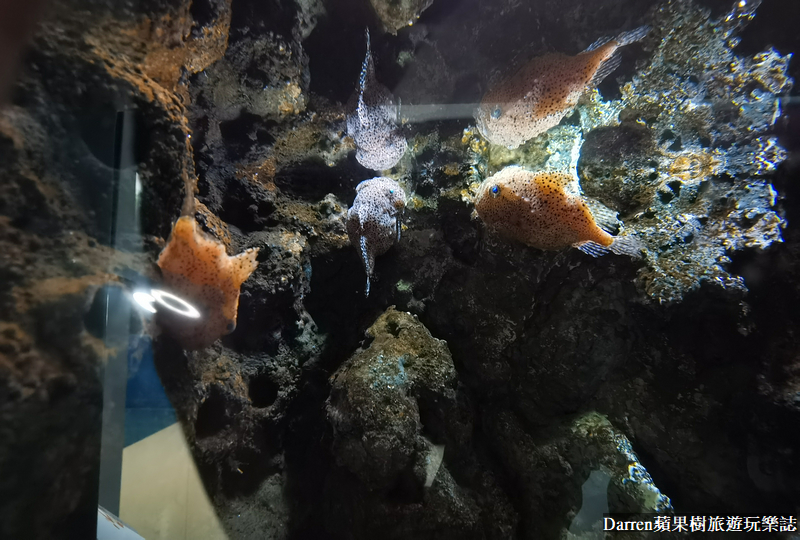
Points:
point(147, 300)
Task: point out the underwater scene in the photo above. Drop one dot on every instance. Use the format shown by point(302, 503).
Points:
point(399, 269)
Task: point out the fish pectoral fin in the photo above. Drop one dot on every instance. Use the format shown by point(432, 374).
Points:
point(592, 248)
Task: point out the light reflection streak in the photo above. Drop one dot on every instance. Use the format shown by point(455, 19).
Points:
point(174, 303)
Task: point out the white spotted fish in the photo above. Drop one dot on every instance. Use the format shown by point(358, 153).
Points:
point(546, 89)
point(373, 121)
point(535, 209)
point(373, 222)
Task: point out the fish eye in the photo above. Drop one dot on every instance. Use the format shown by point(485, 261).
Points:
point(391, 192)
point(496, 112)
point(231, 327)
point(495, 190)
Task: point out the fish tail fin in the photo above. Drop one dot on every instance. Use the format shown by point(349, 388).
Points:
point(599, 43)
point(625, 38)
point(605, 218)
point(612, 62)
point(399, 225)
point(592, 248)
point(632, 36)
point(367, 67)
point(606, 67)
point(366, 258)
point(367, 73)
point(627, 245)
point(622, 245)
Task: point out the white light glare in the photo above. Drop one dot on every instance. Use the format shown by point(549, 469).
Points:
point(168, 300)
point(145, 301)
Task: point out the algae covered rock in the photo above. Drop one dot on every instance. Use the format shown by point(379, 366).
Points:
point(396, 14)
point(401, 440)
point(618, 166)
point(573, 471)
point(377, 396)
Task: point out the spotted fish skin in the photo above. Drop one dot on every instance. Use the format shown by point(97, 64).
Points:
point(373, 222)
point(197, 268)
point(534, 208)
point(372, 122)
point(545, 90)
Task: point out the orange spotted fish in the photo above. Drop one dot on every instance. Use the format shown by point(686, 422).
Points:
point(546, 89)
point(196, 268)
point(534, 208)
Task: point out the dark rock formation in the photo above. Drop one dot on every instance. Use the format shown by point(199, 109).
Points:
point(395, 414)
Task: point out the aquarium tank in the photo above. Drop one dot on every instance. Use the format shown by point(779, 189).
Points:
point(399, 269)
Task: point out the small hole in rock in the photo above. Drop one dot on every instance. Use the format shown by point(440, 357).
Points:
point(724, 177)
point(263, 391)
point(394, 327)
point(212, 417)
point(665, 196)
